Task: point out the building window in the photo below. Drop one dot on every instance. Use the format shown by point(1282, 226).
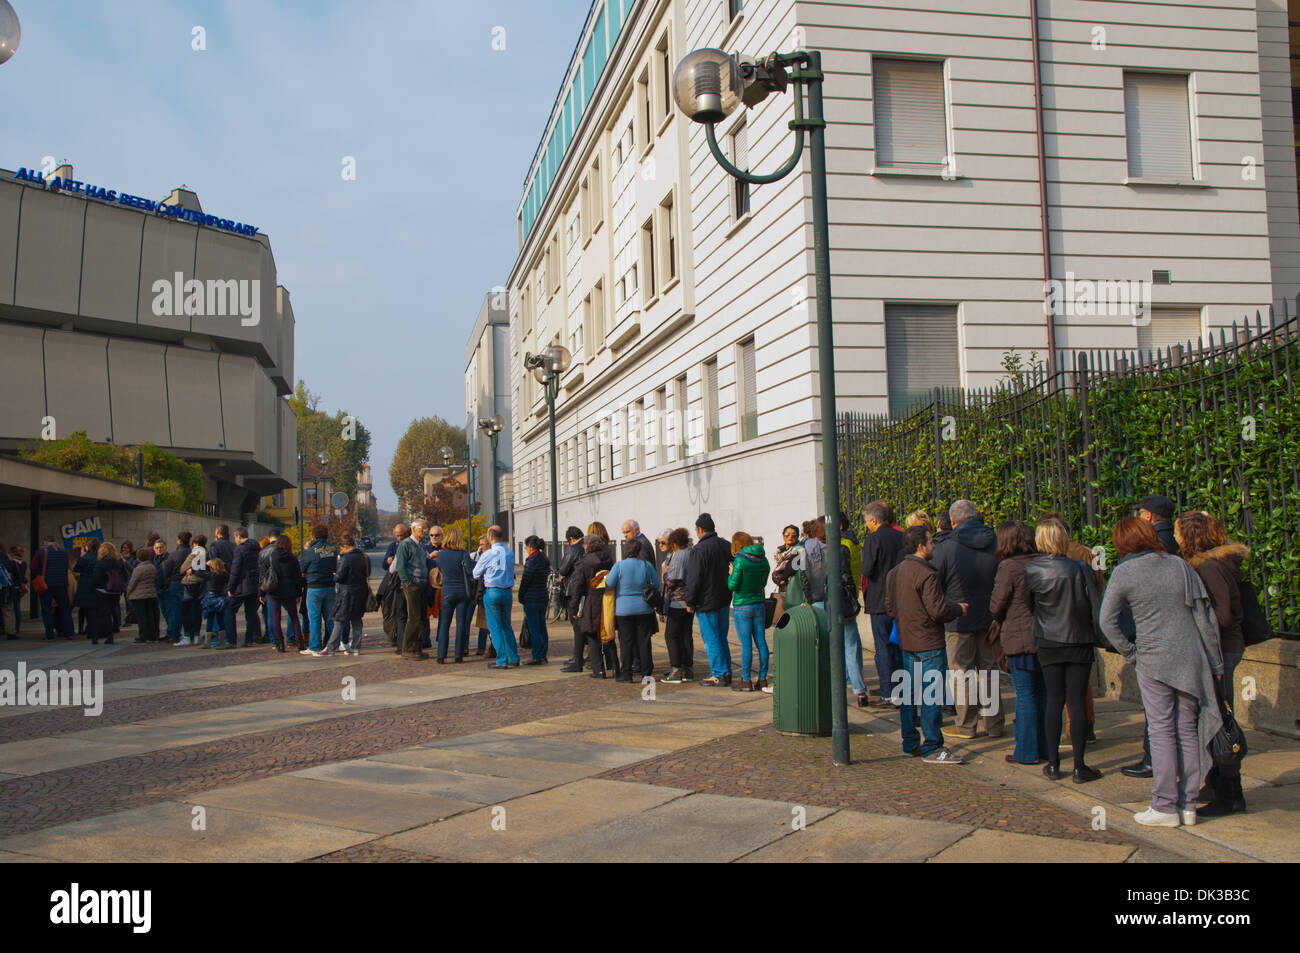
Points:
point(668, 238)
point(660, 427)
point(277, 500)
point(681, 431)
point(911, 117)
point(553, 267)
point(597, 197)
point(645, 105)
point(1169, 327)
point(648, 251)
point(920, 352)
point(748, 392)
point(740, 158)
point(665, 67)
point(733, 8)
point(585, 205)
point(713, 415)
point(1158, 125)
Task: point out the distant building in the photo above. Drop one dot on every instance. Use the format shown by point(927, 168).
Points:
point(487, 393)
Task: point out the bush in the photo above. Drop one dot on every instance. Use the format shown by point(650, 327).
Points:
point(176, 484)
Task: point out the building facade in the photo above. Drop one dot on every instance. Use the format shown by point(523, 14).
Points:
point(1044, 176)
point(488, 380)
point(145, 321)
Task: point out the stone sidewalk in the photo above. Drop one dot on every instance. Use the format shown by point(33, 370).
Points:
point(251, 755)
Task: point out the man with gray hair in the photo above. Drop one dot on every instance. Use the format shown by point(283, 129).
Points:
point(649, 552)
point(411, 567)
point(966, 561)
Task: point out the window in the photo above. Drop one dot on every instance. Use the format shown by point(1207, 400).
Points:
point(597, 331)
point(713, 415)
point(920, 352)
point(645, 103)
point(679, 418)
point(553, 265)
point(585, 206)
point(277, 500)
point(597, 197)
point(659, 427)
point(748, 392)
point(1157, 124)
point(665, 67)
point(648, 250)
point(1169, 327)
point(668, 238)
point(740, 159)
point(733, 8)
point(910, 114)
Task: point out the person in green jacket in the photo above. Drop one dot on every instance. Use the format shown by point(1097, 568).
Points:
point(749, 572)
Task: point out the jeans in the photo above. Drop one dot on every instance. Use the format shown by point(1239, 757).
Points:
point(340, 632)
point(853, 656)
point(1031, 711)
point(56, 612)
point(217, 625)
point(457, 605)
point(497, 602)
point(172, 610)
point(192, 616)
point(749, 629)
point(889, 657)
point(273, 606)
point(535, 617)
point(1175, 748)
point(713, 629)
point(320, 603)
point(923, 668)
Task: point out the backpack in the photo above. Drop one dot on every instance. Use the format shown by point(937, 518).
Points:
point(115, 581)
point(270, 579)
point(1255, 627)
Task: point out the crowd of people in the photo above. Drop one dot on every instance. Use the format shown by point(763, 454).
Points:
point(950, 601)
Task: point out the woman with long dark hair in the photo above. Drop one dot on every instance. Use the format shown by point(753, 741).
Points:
point(1010, 609)
point(678, 618)
point(289, 586)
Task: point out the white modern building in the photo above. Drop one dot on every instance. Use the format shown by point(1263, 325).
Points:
point(980, 153)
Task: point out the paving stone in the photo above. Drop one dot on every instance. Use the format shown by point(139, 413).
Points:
point(549, 749)
point(1266, 831)
point(52, 754)
point(671, 833)
point(988, 846)
point(532, 821)
point(482, 789)
point(495, 765)
point(333, 804)
point(854, 837)
point(164, 833)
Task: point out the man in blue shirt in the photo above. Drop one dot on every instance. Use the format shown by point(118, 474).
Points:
point(496, 568)
point(411, 566)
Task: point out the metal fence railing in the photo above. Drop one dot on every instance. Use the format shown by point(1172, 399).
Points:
point(1214, 425)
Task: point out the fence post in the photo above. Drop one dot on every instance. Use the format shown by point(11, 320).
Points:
point(938, 441)
point(1085, 426)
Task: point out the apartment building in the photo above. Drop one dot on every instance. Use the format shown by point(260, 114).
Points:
point(1049, 176)
point(488, 380)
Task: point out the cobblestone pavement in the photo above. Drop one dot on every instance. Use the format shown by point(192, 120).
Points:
point(763, 763)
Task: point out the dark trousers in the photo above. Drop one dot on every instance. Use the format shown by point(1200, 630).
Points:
point(1067, 684)
point(679, 635)
point(455, 607)
point(252, 624)
point(191, 615)
point(539, 638)
point(417, 600)
point(99, 619)
point(634, 643)
point(56, 612)
point(603, 655)
point(146, 618)
point(579, 645)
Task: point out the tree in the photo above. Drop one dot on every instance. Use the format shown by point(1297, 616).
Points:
point(368, 518)
point(343, 436)
point(177, 485)
point(421, 446)
point(446, 504)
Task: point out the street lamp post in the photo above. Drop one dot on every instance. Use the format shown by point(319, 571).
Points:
point(298, 509)
point(10, 32)
point(547, 368)
point(492, 426)
point(709, 85)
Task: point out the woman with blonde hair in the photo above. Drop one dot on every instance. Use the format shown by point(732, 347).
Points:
point(598, 529)
point(457, 597)
point(105, 583)
point(918, 518)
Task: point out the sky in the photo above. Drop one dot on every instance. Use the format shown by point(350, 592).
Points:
point(386, 271)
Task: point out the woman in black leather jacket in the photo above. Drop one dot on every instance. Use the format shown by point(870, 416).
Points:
point(1064, 598)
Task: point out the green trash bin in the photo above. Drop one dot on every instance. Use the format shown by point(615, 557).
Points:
point(801, 697)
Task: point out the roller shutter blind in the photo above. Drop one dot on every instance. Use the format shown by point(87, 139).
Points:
point(920, 352)
point(910, 116)
point(1169, 326)
point(1157, 123)
point(749, 391)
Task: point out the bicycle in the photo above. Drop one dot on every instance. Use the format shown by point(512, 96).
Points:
point(557, 607)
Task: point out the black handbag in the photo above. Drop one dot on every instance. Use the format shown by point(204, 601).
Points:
point(1255, 627)
point(653, 597)
point(769, 611)
point(1228, 746)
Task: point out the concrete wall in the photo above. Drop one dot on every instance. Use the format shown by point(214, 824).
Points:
point(132, 524)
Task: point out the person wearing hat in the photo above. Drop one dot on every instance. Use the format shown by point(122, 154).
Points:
point(1159, 512)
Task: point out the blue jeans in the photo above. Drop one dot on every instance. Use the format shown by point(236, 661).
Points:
point(889, 657)
point(172, 609)
point(749, 628)
point(497, 603)
point(535, 617)
point(853, 656)
point(713, 629)
point(925, 670)
point(320, 604)
point(1031, 712)
point(340, 633)
point(456, 605)
point(273, 606)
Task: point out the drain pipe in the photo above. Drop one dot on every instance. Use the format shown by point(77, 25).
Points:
point(1042, 191)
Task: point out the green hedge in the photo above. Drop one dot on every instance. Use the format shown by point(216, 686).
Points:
point(177, 485)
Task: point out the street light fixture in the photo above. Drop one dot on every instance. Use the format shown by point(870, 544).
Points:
point(547, 367)
point(492, 426)
point(710, 85)
point(10, 32)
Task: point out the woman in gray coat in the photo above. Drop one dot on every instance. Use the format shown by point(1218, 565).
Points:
point(1174, 644)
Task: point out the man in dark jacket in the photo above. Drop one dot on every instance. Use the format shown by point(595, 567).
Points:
point(649, 552)
point(881, 552)
point(318, 562)
point(568, 563)
point(586, 612)
point(967, 563)
point(708, 596)
point(914, 597)
point(221, 547)
point(243, 588)
point(1159, 512)
point(169, 597)
point(51, 563)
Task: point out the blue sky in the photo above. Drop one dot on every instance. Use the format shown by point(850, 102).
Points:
point(387, 272)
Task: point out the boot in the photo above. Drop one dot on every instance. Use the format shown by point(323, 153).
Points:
point(1228, 799)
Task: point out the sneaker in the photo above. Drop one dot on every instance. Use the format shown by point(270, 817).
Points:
point(688, 675)
point(1153, 818)
point(323, 653)
point(1187, 816)
point(966, 733)
point(744, 686)
point(713, 681)
point(674, 677)
point(354, 651)
point(768, 689)
point(943, 756)
point(862, 700)
point(760, 685)
point(306, 652)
